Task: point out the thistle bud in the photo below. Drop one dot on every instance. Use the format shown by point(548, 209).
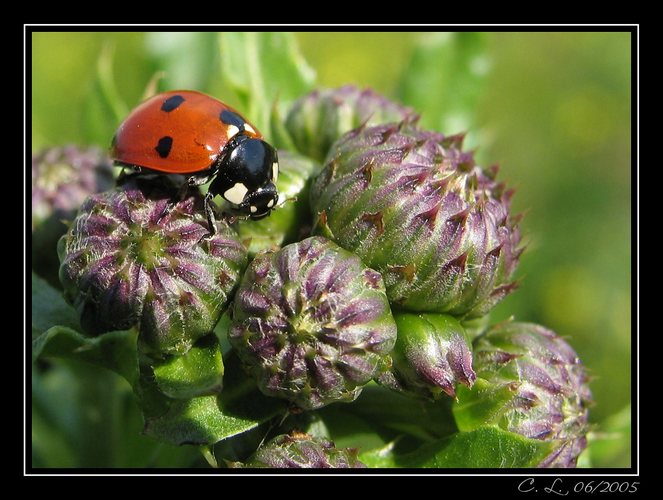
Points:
point(128, 261)
point(301, 451)
point(312, 323)
point(62, 177)
point(530, 382)
point(318, 119)
point(432, 354)
point(417, 209)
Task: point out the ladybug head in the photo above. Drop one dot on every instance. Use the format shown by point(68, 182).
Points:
point(247, 176)
point(259, 203)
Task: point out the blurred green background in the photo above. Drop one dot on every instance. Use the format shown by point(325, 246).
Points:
point(553, 109)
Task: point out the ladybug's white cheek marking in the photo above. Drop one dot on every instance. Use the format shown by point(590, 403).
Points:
point(236, 193)
point(232, 131)
point(275, 171)
point(249, 128)
point(253, 209)
point(270, 203)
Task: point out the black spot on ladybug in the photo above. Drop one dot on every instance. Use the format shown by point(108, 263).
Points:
point(163, 148)
point(230, 118)
point(172, 103)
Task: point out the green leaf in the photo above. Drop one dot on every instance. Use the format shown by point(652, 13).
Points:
point(420, 418)
point(221, 332)
point(137, 450)
point(116, 351)
point(263, 68)
point(49, 308)
point(199, 420)
point(382, 407)
point(486, 447)
point(103, 109)
point(186, 59)
point(483, 404)
point(444, 79)
point(349, 431)
point(196, 421)
point(199, 372)
point(381, 458)
point(208, 419)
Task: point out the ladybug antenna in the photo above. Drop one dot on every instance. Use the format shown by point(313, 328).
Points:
point(232, 218)
point(290, 199)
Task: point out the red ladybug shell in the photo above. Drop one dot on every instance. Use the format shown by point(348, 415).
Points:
point(178, 132)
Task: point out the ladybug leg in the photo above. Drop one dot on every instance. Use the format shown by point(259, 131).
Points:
point(127, 173)
point(198, 180)
point(210, 212)
point(210, 206)
point(191, 181)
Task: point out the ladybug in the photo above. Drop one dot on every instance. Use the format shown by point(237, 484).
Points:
point(189, 133)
